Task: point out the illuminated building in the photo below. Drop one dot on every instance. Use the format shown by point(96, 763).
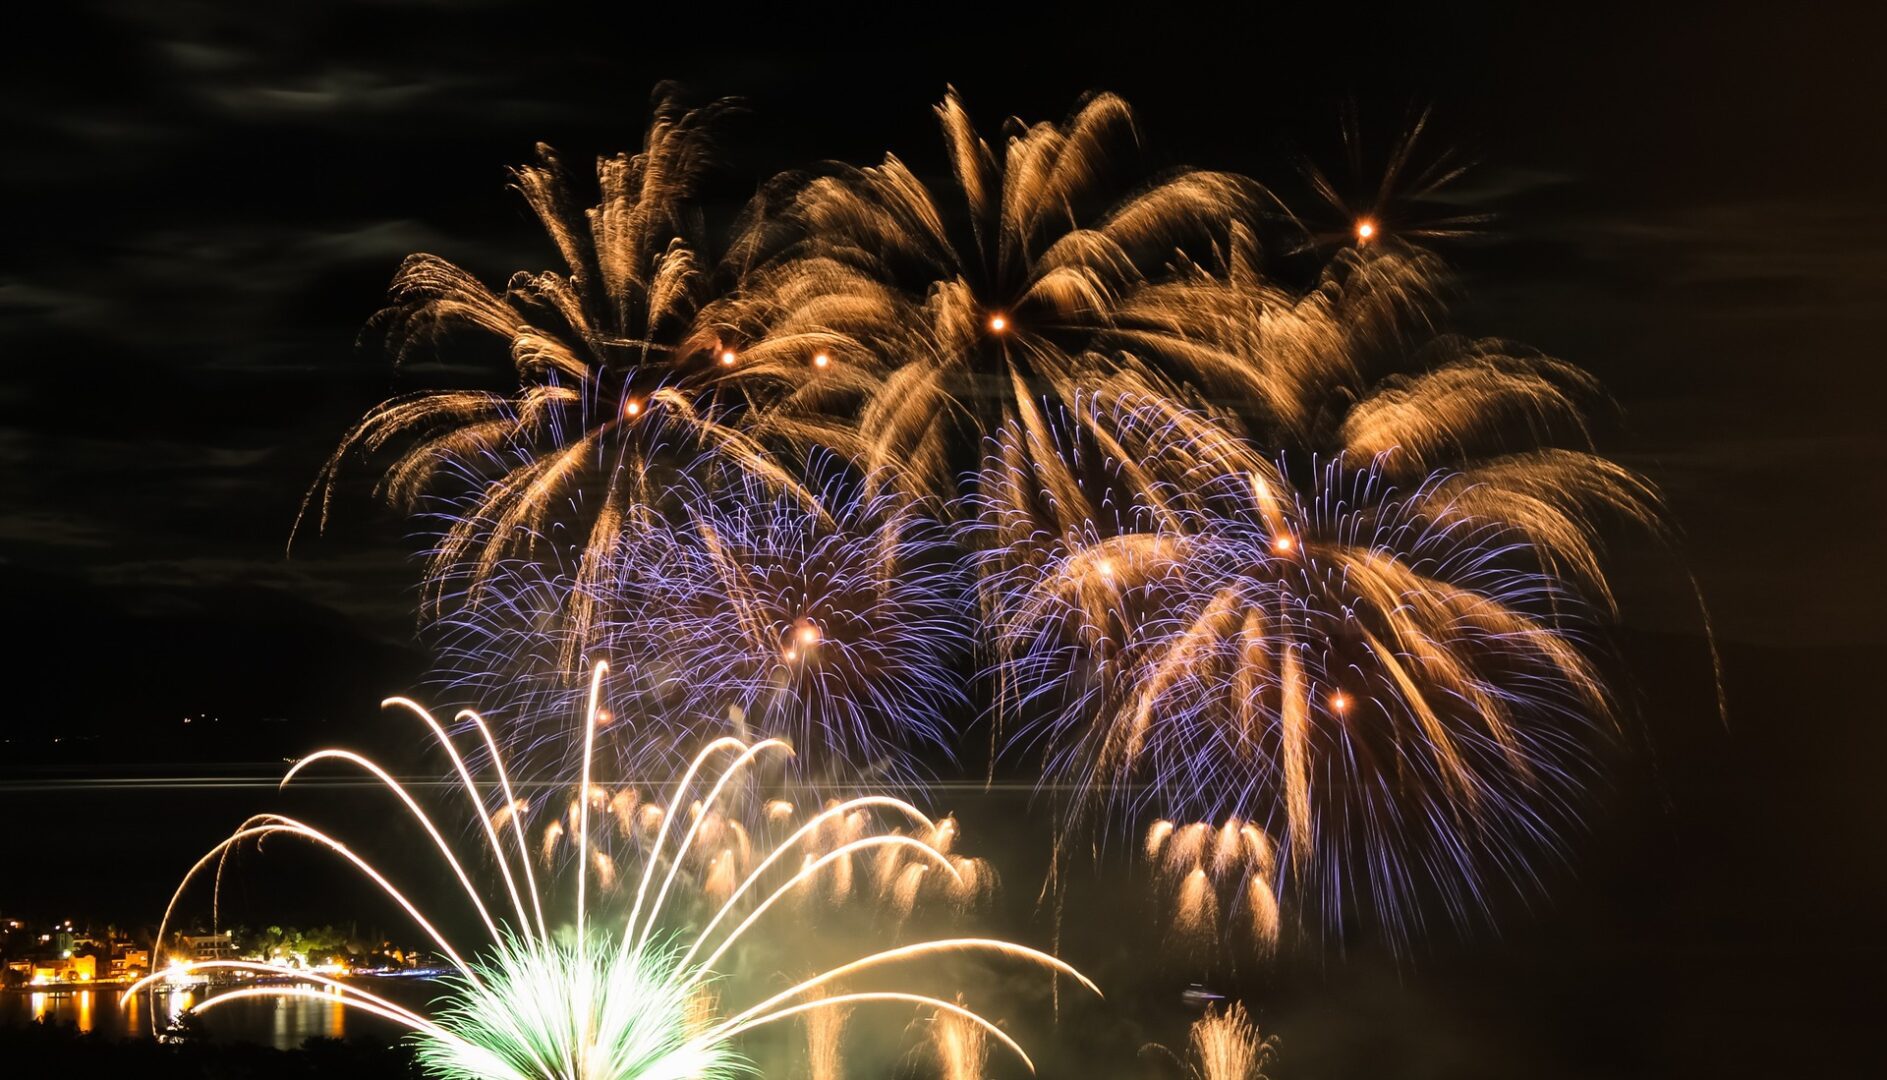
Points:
point(58, 969)
point(128, 961)
point(202, 947)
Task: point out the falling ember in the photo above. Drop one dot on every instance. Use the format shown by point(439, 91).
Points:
point(1340, 702)
point(975, 882)
point(841, 879)
point(885, 869)
point(632, 407)
point(1259, 849)
point(1263, 907)
point(1156, 837)
point(998, 324)
point(821, 360)
point(1197, 919)
point(712, 829)
point(728, 357)
point(808, 635)
point(743, 843)
point(910, 883)
point(651, 816)
point(1365, 231)
point(1228, 850)
point(1188, 845)
point(722, 878)
point(614, 996)
point(623, 806)
point(508, 811)
point(1282, 544)
point(944, 835)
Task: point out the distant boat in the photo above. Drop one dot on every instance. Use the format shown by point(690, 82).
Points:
point(1198, 997)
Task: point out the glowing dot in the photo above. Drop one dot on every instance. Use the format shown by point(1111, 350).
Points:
point(998, 324)
point(1340, 701)
point(1105, 566)
point(1365, 231)
point(632, 407)
point(603, 717)
point(790, 654)
point(727, 358)
point(809, 635)
point(821, 360)
point(1283, 545)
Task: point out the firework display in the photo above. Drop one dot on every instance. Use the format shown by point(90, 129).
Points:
point(1225, 1045)
point(1404, 192)
point(1382, 677)
point(1207, 537)
point(617, 389)
point(841, 628)
point(622, 990)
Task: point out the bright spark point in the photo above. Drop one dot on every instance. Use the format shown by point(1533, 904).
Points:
point(998, 324)
point(1365, 231)
point(632, 407)
point(1105, 566)
point(1283, 544)
point(809, 635)
point(727, 358)
point(821, 360)
point(1340, 701)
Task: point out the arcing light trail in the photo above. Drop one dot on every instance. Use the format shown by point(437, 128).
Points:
point(607, 995)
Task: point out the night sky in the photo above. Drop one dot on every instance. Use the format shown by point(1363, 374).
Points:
point(205, 202)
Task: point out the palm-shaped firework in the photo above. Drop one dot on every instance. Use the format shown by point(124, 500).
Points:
point(618, 391)
point(612, 998)
point(992, 305)
point(1371, 641)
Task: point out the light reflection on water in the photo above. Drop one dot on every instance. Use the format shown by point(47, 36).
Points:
point(283, 1023)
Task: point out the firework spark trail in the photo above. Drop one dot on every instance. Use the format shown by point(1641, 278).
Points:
point(592, 1004)
point(1388, 671)
point(1404, 197)
point(722, 854)
point(831, 628)
point(990, 304)
point(617, 385)
point(1226, 1046)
